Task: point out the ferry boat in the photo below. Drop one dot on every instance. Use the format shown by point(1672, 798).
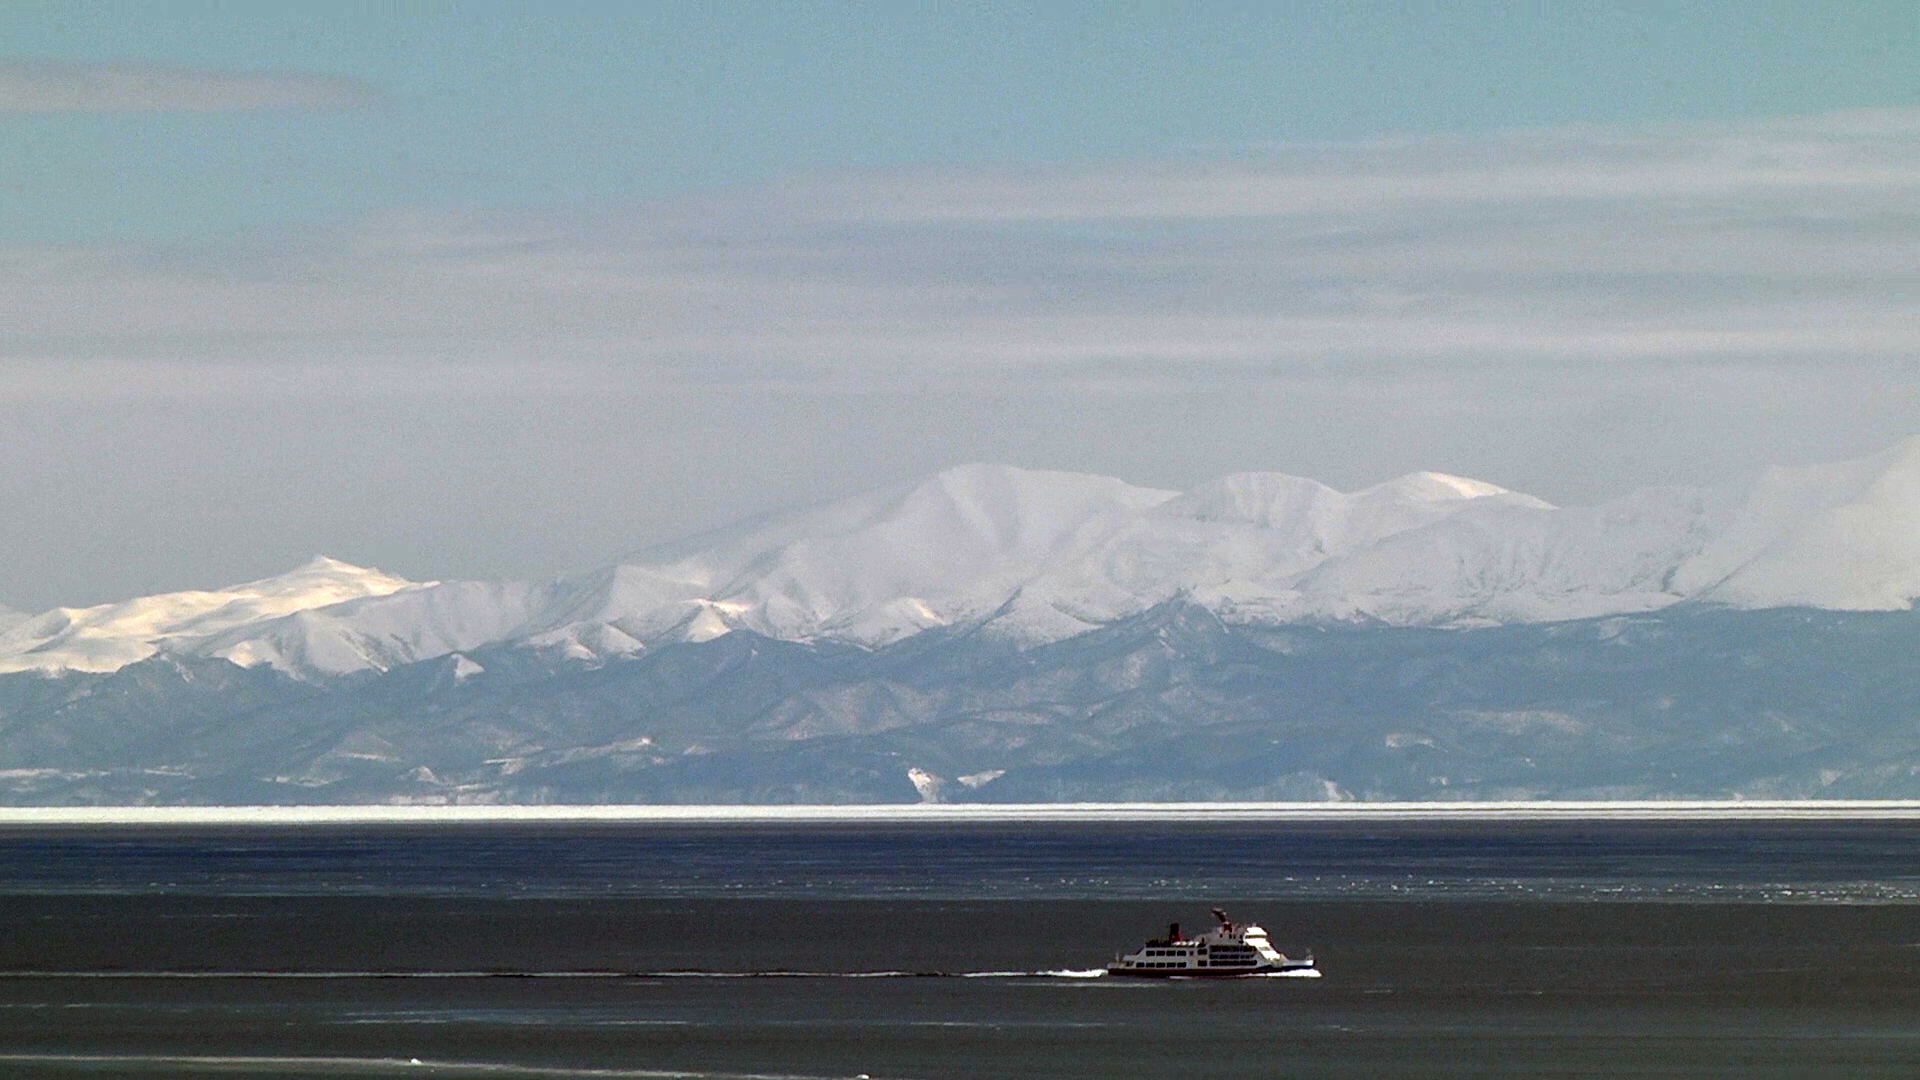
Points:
point(1227, 949)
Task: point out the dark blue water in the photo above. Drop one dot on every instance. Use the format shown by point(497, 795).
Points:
point(959, 949)
point(1792, 861)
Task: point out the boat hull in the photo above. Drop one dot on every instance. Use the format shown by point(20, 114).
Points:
point(1204, 973)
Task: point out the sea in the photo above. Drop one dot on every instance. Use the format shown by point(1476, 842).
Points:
point(899, 948)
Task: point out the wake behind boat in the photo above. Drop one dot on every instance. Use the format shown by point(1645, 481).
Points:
point(1226, 950)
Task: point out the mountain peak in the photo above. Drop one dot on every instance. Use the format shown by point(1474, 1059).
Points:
point(1843, 536)
point(1040, 555)
point(107, 637)
point(322, 568)
point(1429, 486)
point(1263, 498)
point(979, 483)
point(327, 563)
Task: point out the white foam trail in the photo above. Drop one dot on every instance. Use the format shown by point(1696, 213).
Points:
point(1057, 973)
point(318, 974)
point(786, 974)
point(1061, 973)
point(345, 1066)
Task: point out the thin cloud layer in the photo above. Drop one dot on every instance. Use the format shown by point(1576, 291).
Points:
point(40, 87)
point(1791, 241)
point(1864, 150)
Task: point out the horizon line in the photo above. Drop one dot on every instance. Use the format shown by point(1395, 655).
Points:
point(889, 813)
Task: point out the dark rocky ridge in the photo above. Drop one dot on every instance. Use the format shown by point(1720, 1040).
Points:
point(1170, 705)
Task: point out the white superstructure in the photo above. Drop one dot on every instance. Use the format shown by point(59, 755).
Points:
point(1227, 949)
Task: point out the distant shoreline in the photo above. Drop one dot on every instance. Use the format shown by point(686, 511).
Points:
point(1676, 810)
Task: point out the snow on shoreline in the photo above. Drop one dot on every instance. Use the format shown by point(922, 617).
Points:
point(898, 813)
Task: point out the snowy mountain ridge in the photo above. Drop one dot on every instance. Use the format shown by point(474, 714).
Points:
point(106, 637)
point(1041, 556)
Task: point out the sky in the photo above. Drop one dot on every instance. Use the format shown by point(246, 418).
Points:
point(508, 291)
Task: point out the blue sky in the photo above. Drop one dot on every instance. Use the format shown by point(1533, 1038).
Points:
point(524, 105)
point(489, 290)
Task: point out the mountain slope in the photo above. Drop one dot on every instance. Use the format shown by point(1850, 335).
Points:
point(1172, 703)
point(1036, 557)
point(1842, 537)
point(110, 636)
point(995, 634)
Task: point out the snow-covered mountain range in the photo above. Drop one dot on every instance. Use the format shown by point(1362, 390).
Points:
point(1042, 556)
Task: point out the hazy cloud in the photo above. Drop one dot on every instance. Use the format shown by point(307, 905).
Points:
point(1861, 151)
point(1572, 313)
point(43, 87)
point(1790, 241)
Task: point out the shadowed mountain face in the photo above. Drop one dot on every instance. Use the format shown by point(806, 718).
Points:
point(1169, 704)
